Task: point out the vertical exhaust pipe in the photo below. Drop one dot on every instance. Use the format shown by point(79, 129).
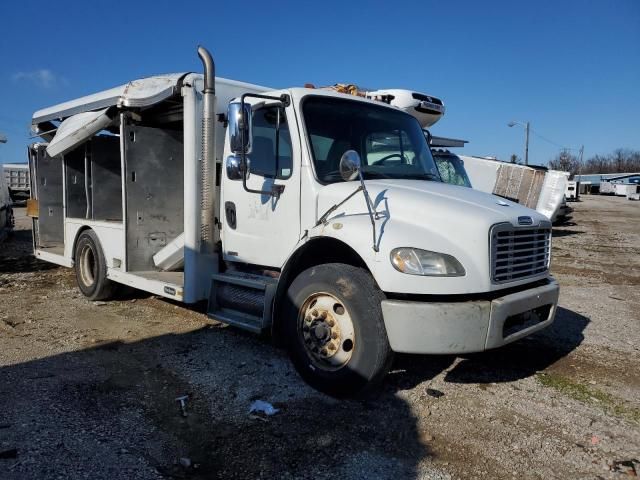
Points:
point(208, 154)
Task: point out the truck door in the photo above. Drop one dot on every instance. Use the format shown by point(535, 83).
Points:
point(259, 228)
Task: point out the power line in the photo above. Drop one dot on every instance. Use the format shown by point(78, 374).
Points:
point(541, 137)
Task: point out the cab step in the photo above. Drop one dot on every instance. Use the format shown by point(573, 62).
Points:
point(242, 300)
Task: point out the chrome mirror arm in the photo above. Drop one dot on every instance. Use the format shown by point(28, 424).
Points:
point(350, 169)
point(370, 208)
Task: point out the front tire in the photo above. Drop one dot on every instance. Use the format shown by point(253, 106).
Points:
point(335, 331)
point(91, 268)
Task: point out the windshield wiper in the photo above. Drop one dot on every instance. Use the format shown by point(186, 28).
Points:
point(421, 176)
point(372, 175)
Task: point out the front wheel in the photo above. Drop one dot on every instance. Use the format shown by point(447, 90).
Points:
point(335, 331)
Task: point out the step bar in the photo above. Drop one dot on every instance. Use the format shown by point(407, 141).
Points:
point(242, 300)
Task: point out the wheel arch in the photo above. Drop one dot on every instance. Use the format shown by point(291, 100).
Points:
point(316, 251)
point(80, 231)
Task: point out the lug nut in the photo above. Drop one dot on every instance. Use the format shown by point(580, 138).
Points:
point(334, 335)
point(331, 323)
point(323, 315)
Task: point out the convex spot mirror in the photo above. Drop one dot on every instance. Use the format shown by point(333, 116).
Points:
point(234, 167)
point(350, 165)
point(240, 127)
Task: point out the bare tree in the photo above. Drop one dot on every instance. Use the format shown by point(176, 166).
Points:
point(620, 160)
point(513, 158)
point(566, 162)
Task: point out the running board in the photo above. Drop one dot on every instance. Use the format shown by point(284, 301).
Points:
point(242, 300)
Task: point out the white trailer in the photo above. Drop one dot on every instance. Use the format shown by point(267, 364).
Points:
point(314, 215)
point(572, 191)
point(626, 189)
point(607, 188)
point(536, 188)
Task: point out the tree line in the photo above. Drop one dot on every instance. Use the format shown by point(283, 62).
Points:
point(621, 160)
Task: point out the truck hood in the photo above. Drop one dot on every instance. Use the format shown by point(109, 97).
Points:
point(427, 215)
point(419, 201)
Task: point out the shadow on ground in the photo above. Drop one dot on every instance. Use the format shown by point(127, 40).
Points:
point(110, 412)
point(16, 255)
point(565, 233)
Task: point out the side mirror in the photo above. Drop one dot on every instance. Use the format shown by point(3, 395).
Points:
point(234, 172)
point(239, 127)
point(350, 165)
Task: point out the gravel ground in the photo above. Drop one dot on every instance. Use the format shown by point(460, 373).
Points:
point(87, 390)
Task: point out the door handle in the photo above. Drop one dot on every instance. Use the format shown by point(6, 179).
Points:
point(230, 214)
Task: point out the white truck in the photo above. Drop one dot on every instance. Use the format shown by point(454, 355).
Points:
point(313, 215)
point(17, 177)
point(572, 191)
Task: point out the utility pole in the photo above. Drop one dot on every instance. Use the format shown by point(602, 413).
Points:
point(526, 144)
point(526, 138)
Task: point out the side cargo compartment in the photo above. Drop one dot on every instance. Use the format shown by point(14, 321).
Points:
point(46, 205)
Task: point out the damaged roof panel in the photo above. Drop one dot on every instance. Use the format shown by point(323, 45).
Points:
point(78, 129)
point(137, 93)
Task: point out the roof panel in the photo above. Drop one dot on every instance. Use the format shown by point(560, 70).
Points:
point(78, 129)
point(137, 93)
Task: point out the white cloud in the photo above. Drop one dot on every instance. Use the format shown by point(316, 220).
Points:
point(43, 78)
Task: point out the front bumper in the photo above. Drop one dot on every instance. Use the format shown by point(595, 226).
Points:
point(471, 326)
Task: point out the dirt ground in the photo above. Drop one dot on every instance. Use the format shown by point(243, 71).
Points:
point(88, 390)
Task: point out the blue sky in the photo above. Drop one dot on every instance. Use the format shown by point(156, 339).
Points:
point(572, 68)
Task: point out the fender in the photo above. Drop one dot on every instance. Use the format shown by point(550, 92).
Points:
point(312, 250)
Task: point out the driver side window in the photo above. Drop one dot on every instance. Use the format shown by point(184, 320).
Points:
point(270, 144)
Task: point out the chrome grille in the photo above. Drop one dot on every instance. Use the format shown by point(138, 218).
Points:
point(518, 253)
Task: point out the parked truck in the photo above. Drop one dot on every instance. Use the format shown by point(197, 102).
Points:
point(314, 215)
point(17, 177)
point(572, 191)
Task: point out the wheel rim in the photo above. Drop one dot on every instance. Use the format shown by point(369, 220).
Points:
point(88, 266)
point(326, 331)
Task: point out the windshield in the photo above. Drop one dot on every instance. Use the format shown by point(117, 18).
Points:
point(451, 168)
point(391, 143)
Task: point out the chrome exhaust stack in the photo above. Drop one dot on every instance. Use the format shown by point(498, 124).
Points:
point(208, 155)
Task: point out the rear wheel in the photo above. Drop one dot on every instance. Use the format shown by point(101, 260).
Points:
point(91, 268)
point(335, 330)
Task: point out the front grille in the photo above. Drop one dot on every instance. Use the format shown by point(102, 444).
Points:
point(518, 253)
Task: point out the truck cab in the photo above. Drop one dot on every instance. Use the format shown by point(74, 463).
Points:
point(315, 215)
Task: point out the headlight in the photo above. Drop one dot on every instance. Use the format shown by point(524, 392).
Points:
point(423, 262)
